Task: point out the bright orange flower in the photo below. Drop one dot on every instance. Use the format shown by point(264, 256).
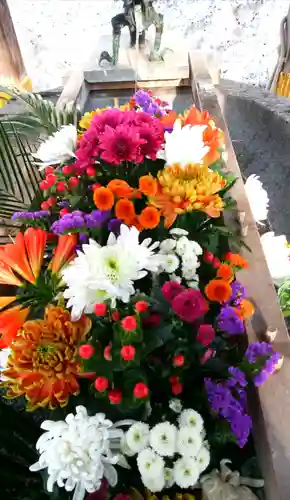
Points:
point(213, 137)
point(195, 117)
point(43, 365)
point(103, 198)
point(7, 277)
point(236, 260)
point(246, 309)
point(11, 321)
point(5, 301)
point(218, 291)
point(35, 241)
point(149, 218)
point(148, 185)
point(64, 252)
point(225, 271)
point(169, 119)
point(121, 188)
point(15, 256)
point(125, 210)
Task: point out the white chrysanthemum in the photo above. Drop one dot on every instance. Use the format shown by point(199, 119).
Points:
point(189, 441)
point(169, 477)
point(125, 448)
point(195, 247)
point(186, 472)
point(4, 355)
point(167, 245)
point(154, 485)
point(277, 255)
point(163, 439)
point(177, 231)
point(193, 284)
point(77, 452)
point(184, 145)
point(138, 437)
point(258, 198)
point(150, 464)
point(191, 418)
point(170, 263)
point(175, 405)
point(203, 459)
point(174, 277)
point(109, 272)
point(58, 148)
point(183, 246)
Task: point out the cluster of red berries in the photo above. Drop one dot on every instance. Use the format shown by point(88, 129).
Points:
point(101, 384)
point(176, 386)
point(210, 258)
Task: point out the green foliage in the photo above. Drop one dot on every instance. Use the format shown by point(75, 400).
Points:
point(284, 298)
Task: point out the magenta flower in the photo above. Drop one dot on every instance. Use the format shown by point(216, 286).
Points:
point(189, 305)
point(121, 144)
point(154, 141)
point(205, 335)
point(171, 289)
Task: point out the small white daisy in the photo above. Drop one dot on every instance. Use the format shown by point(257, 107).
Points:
point(150, 464)
point(170, 263)
point(163, 439)
point(175, 405)
point(193, 284)
point(138, 437)
point(191, 418)
point(182, 246)
point(186, 472)
point(189, 442)
point(154, 485)
point(177, 231)
point(203, 458)
point(167, 245)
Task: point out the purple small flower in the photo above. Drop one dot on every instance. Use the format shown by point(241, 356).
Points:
point(229, 321)
point(63, 204)
point(238, 292)
point(256, 350)
point(238, 377)
point(83, 238)
point(40, 214)
point(142, 99)
point(114, 226)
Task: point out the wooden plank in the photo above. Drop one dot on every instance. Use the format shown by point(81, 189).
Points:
point(11, 62)
point(75, 92)
point(272, 414)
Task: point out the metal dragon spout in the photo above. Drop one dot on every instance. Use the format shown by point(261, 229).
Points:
point(138, 16)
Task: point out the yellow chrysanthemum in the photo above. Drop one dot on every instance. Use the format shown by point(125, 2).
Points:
point(25, 85)
point(186, 189)
point(86, 120)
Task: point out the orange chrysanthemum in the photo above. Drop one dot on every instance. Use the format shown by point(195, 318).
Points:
point(225, 271)
point(148, 185)
point(149, 218)
point(10, 321)
point(236, 260)
point(125, 210)
point(246, 309)
point(218, 291)
point(121, 188)
point(43, 364)
point(103, 198)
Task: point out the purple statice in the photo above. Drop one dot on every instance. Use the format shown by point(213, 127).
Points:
point(229, 321)
point(232, 407)
point(238, 292)
point(264, 359)
point(114, 226)
point(23, 216)
point(267, 370)
point(63, 204)
point(257, 350)
point(142, 99)
point(96, 218)
point(237, 377)
point(79, 221)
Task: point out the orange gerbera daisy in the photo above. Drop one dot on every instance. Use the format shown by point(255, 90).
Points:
point(225, 271)
point(10, 321)
point(148, 185)
point(121, 188)
point(236, 260)
point(64, 252)
point(149, 218)
point(103, 198)
point(218, 291)
point(246, 309)
point(125, 210)
point(43, 365)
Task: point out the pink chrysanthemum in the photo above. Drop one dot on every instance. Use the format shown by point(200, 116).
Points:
point(189, 305)
point(111, 118)
point(121, 144)
point(171, 289)
point(154, 141)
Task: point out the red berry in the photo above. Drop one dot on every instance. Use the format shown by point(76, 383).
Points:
point(100, 309)
point(51, 201)
point(61, 186)
point(43, 185)
point(101, 384)
point(129, 323)
point(96, 186)
point(208, 256)
point(63, 211)
point(51, 180)
point(115, 316)
point(128, 352)
point(73, 182)
point(67, 169)
point(141, 306)
point(115, 396)
point(178, 360)
point(205, 334)
point(44, 205)
point(91, 172)
point(216, 263)
point(140, 390)
point(49, 170)
point(107, 353)
point(86, 351)
point(174, 379)
point(176, 388)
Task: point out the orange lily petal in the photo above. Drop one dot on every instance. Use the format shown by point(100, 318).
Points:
point(169, 119)
point(7, 277)
point(14, 255)
point(63, 252)
point(4, 301)
point(35, 241)
point(10, 322)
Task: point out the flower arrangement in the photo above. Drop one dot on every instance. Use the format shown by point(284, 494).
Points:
point(125, 328)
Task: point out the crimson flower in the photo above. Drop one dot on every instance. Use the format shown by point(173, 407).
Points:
point(189, 305)
point(121, 144)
